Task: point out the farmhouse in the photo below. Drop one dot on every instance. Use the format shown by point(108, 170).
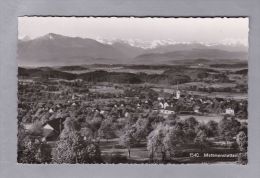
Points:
point(51, 111)
point(230, 111)
point(52, 129)
point(164, 105)
point(196, 109)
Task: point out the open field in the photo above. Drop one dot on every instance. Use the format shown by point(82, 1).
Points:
point(105, 89)
point(206, 118)
point(238, 96)
point(140, 154)
point(116, 69)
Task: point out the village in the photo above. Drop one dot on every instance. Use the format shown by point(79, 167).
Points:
point(106, 112)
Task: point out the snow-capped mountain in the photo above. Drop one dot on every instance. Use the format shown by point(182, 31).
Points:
point(168, 42)
point(54, 49)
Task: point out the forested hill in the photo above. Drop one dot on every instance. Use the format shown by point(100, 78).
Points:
point(171, 75)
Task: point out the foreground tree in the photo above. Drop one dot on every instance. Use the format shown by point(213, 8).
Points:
point(242, 142)
point(142, 128)
point(106, 129)
point(73, 148)
point(201, 138)
point(212, 128)
point(228, 128)
point(31, 150)
point(164, 139)
point(128, 140)
point(95, 123)
point(174, 136)
point(190, 126)
point(155, 143)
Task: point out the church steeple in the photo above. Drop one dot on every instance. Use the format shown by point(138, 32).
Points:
point(178, 92)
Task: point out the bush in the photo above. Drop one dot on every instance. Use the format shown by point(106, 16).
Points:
point(242, 158)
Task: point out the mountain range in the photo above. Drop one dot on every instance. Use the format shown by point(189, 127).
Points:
point(58, 50)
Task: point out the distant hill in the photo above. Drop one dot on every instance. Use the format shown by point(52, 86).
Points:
point(45, 73)
point(103, 76)
point(243, 71)
point(172, 75)
point(193, 55)
point(58, 50)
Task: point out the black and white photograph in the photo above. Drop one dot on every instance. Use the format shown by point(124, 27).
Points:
point(132, 90)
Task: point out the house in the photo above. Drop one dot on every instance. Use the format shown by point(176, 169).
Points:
point(230, 111)
point(166, 111)
point(126, 114)
point(160, 98)
point(51, 111)
point(27, 126)
point(164, 105)
point(196, 109)
point(52, 129)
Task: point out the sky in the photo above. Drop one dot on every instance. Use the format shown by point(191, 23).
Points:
point(206, 30)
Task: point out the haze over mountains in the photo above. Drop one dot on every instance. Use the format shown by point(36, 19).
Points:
point(57, 50)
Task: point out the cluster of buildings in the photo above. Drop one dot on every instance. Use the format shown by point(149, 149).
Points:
point(123, 105)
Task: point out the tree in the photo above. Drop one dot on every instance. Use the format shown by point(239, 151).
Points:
point(73, 148)
point(242, 142)
point(142, 129)
point(174, 136)
point(201, 138)
point(190, 128)
point(33, 150)
point(154, 118)
point(26, 150)
point(212, 128)
point(228, 128)
point(44, 153)
point(95, 123)
point(244, 128)
point(164, 139)
point(155, 142)
point(128, 140)
point(172, 119)
point(106, 129)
